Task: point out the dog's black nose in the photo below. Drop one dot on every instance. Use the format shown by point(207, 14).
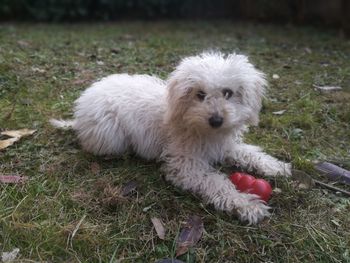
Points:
point(216, 121)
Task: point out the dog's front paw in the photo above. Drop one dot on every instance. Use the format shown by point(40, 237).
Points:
point(252, 211)
point(277, 168)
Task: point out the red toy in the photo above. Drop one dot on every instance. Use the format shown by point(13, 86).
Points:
point(249, 184)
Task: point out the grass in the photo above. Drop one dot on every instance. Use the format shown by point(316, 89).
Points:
point(61, 213)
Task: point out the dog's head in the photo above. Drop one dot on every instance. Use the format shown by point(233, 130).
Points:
point(212, 92)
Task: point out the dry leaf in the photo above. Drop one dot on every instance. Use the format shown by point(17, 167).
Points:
point(189, 235)
point(129, 187)
point(333, 172)
point(159, 227)
point(12, 179)
point(16, 135)
point(8, 142)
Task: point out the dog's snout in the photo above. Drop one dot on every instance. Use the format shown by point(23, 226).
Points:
point(216, 121)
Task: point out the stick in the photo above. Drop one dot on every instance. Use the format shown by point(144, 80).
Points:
point(332, 187)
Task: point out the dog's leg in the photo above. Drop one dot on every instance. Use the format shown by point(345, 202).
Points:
point(215, 188)
point(251, 157)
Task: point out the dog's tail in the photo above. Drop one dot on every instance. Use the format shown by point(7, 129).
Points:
point(62, 124)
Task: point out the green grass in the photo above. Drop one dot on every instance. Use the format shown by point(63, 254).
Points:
point(61, 213)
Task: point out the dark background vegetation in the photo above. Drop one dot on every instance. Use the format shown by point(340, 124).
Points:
point(334, 13)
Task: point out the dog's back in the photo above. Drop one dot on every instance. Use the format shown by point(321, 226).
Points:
point(119, 113)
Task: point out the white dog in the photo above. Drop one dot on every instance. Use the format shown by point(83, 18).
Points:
point(191, 121)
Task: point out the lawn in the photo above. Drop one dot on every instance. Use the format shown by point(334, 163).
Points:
point(70, 211)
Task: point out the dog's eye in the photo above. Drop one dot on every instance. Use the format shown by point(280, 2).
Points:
point(227, 93)
point(201, 95)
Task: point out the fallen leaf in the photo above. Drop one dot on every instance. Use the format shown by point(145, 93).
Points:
point(333, 172)
point(18, 133)
point(279, 112)
point(12, 179)
point(8, 142)
point(189, 235)
point(327, 88)
point(129, 187)
point(159, 227)
point(7, 257)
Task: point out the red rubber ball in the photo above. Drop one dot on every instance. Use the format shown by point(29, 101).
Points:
point(246, 183)
point(249, 184)
point(235, 178)
point(261, 188)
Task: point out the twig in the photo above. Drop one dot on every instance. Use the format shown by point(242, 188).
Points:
point(332, 187)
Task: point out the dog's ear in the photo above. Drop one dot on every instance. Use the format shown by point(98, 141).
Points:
point(254, 95)
point(253, 84)
point(178, 99)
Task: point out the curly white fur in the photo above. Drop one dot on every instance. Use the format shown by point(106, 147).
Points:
point(192, 120)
